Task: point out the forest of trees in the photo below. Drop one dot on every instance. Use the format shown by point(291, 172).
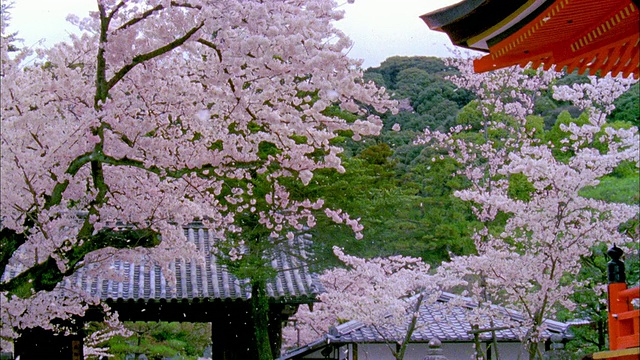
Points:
point(405, 201)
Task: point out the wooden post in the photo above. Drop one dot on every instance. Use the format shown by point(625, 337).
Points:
point(232, 333)
point(617, 283)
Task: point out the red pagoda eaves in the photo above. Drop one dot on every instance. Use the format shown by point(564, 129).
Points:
point(578, 34)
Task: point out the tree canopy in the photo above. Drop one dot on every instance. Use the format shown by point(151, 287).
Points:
point(160, 113)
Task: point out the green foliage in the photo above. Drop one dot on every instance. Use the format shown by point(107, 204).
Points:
point(391, 67)
point(378, 154)
point(558, 137)
point(549, 108)
point(410, 213)
point(448, 221)
point(266, 149)
point(441, 115)
point(520, 188)
point(160, 340)
point(537, 123)
point(408, 121)
point(628, 106)
point(573, 78)
point(615, 189)
point(562, 152)
point(422, 80)
point(470, 115)
point(335, 110)
point(410, 82)
point(591, 305)
point(377, 78)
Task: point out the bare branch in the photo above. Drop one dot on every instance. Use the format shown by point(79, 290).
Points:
point(153, 10)
point(114, 11)
point(150, 55)
point(211, 45)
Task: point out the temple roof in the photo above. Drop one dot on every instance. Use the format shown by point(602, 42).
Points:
point(584, 35)
point(448, 322)
point(208, 281)
point(448, 319)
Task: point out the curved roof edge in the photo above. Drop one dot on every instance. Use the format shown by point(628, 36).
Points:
point(467, 19)
point(445, 16)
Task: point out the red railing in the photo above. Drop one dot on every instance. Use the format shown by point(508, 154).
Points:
point(624, 320)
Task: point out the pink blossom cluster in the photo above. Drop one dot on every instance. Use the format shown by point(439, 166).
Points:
point(38, 310)
point(112, 327)
point(380, 292)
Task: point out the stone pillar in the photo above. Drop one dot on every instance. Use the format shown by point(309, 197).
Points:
point(556, 350)
point(435, 350)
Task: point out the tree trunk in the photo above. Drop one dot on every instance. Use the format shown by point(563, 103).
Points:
point(602, 342)
point(494, 342)
point(534, 351)
point(476, 342)
point(260, 315)
point(410, 329)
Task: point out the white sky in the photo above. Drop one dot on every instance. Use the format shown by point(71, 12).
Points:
point(378, 28)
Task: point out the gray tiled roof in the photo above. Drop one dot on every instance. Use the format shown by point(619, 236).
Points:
point(206, 281)
point(447, 323)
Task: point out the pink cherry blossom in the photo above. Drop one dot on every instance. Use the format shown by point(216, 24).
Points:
point(380, 292)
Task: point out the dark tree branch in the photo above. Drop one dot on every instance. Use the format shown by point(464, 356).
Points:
point(151, 11)
point(59, 188)
point(148, 56)
point(114, 11)
point(101, 62)
point(45, 276)
point(211, 45)
point(144, 15)
point(105, 159)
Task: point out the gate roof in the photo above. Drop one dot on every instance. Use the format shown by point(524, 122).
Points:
point(207, 280)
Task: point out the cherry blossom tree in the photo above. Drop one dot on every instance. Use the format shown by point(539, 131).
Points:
point(161, 112)
point(383, 293)
point(530, 249)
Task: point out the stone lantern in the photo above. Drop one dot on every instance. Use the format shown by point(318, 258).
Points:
point(435, 350)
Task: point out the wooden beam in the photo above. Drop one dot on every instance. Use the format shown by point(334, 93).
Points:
point(613, 354)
